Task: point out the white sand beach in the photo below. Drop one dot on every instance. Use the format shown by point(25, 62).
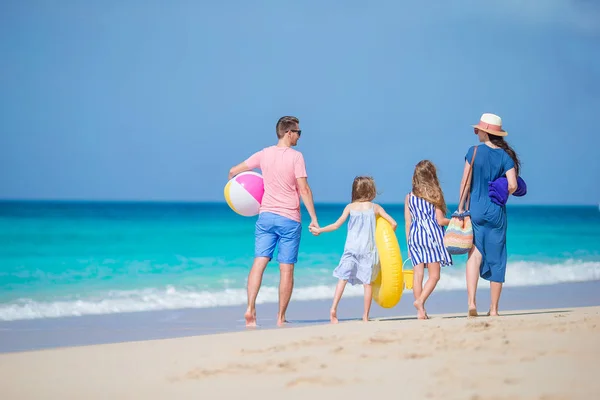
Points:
point(536, 354)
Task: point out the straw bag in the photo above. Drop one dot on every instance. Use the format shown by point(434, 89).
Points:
point(458, 238)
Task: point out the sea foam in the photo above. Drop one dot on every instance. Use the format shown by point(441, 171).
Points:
point(519, 273)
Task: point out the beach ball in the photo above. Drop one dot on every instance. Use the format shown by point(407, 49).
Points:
point(244, 193)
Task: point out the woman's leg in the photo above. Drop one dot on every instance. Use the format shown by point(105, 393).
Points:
point(368, 300)
point(339, 290)
point(495, 291)
point(473, 266)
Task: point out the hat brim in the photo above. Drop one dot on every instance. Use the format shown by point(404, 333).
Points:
point(495, 133)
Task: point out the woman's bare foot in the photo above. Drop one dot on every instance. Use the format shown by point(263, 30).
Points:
point(333, 316)
point(493, 314)
point(472, 312)
point(421, 314)
point(365, 318)
point(250, 317)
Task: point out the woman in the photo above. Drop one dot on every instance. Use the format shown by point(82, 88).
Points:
point(487, 258)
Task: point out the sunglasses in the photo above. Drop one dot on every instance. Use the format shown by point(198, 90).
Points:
point(298, 131)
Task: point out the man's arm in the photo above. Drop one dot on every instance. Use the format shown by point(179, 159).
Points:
point(307, 198)
point(252, 162)
point(238, 169)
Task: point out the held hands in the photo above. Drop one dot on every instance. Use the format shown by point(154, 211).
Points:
point(314, 228)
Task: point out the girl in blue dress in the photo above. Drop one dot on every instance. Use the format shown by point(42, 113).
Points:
point(425, 215)
point(360, 252)
point(487, 258)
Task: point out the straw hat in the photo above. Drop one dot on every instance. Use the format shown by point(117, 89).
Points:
point(492, 124)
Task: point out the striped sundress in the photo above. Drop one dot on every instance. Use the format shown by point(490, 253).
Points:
point(426, 236)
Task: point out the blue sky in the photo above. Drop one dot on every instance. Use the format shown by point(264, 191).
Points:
point(155, 100)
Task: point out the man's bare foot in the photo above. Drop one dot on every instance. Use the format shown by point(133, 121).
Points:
point(333, 316)
point(421, 314)
point(281, 321)
point(250, 317)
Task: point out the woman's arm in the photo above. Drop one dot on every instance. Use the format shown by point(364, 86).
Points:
point(441, 218)
point(511, 176)
point(334, 226)
point(381, 212)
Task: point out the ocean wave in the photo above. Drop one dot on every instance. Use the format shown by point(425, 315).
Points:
point(519, 273)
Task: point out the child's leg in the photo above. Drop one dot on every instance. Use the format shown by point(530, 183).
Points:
point(368, 301)
point(339, 290)
point(432, 280)
point(418, 272)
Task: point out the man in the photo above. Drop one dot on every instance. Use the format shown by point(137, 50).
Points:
point(285, 180)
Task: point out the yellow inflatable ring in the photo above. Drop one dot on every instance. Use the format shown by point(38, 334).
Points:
point(389, 283)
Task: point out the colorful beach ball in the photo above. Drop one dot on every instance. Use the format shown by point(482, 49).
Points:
point(244, 193)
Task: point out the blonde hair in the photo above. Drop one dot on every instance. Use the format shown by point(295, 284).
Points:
point(363, 189)
point(425, 184)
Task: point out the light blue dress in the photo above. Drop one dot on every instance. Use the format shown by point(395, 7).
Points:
point(359, 264)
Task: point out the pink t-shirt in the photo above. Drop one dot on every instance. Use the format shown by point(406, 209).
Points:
point(280, 167)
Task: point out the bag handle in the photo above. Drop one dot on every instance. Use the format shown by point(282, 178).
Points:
point(467, 188)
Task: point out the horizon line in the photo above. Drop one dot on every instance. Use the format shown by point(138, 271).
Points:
point(199, 202)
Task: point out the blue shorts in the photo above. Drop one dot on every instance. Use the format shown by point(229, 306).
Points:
point(272, 230)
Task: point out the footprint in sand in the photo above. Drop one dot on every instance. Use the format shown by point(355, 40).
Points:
point(528, 358)
point(415, 356)
point(314, 341)
point(380, 340)
point(315, 380)
point(285, 366)
point(480, 326)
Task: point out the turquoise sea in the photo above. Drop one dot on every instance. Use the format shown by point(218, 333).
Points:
point(70, 259)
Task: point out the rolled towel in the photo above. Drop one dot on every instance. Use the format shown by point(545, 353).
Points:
point(498, 190)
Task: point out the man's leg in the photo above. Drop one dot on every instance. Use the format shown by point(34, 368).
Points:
point(265, 240)
point(289, 243)
point(254, 282)
point(286, 286)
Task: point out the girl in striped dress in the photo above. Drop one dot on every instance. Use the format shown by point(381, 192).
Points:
point(425, 215)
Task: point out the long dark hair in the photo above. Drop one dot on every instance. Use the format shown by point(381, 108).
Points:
point(503, 144)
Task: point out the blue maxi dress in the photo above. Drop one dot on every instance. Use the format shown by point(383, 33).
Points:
point(489, 219)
